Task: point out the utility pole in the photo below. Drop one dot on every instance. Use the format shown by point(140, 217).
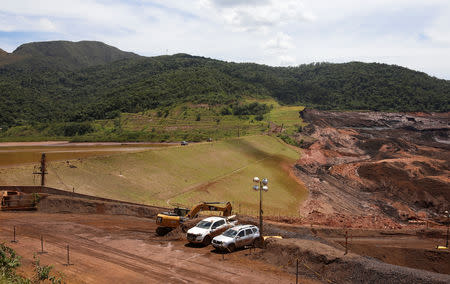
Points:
point(448, 216)
point(43, 170)
point(260, 185)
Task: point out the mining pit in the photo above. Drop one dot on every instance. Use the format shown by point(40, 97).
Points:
point(378, 184)
point(374, 169)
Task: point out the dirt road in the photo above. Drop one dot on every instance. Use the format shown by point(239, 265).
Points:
point(106, 249)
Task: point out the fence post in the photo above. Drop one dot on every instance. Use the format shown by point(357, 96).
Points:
point(68, 256)
point(14, 236)
point(346, 242)
point(42, 245)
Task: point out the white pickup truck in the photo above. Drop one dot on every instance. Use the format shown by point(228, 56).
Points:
point(208, 228)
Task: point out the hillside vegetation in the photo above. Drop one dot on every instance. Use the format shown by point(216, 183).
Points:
point(76, 82)
point(217, 171)
point(190, 122)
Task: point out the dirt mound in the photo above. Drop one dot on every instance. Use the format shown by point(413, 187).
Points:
point(328, 263)
point(365, 168)
point(64, 204)
point(397, 182)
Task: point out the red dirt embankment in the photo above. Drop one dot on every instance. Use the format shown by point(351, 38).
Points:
point(368, 169)
point(329, 264)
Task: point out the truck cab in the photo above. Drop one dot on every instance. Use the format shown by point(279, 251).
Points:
point(208, 228)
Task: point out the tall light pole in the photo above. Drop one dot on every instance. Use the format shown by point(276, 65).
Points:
point(260, 186)
point(448, 216)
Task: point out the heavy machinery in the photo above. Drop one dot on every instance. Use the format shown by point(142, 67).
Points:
point(167, 221)
point(16, 200)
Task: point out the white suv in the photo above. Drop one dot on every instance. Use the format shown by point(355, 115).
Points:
point(208, 228)
point(236, 237)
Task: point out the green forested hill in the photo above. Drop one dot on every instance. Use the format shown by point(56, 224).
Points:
point(64, 81)
point(62, 55)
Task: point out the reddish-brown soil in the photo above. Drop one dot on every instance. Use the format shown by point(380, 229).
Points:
point(124, 249)
point(375, 170)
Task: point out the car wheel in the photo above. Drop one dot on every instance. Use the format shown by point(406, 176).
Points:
point(257, 242)
point(231, 247)
point(206, 240)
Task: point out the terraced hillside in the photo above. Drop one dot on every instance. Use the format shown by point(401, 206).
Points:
point(190, 122)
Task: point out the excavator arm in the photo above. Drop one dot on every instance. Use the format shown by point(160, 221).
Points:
point(168, 221)
point(210, 206)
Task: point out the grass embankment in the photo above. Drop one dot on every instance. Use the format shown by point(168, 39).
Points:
point(217, 171)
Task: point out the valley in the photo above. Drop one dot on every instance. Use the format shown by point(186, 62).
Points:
point(357, 157)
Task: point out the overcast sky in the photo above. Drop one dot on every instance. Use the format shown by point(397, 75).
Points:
point(411, 33)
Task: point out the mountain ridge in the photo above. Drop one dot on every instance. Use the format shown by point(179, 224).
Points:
point(46, 86)
point(68, 55)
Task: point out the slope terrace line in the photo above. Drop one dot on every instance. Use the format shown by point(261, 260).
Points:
point(216, 179)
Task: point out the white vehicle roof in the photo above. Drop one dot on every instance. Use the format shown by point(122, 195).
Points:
point(213, 219)
point(237, 228)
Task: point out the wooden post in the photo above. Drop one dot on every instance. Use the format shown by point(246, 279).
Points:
point(296, 274)
point(346, 242)
point(14, 236)
point(68, 255)
point(43, 171)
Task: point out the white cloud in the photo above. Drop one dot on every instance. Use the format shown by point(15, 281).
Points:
point(412, 33)
point(45, 24)
point(262, 16)
point(281, 41)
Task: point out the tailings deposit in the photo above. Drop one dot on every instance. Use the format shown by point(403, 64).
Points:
point(19, 153)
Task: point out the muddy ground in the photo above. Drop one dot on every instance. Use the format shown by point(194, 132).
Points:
point(373, 169)
point(382, 179)
point(125, 249)
point(118, 248)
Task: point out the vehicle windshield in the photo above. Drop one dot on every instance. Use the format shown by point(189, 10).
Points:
point(204, 224)
point(230, 233)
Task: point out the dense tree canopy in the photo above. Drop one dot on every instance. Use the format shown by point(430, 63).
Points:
point(38, 85)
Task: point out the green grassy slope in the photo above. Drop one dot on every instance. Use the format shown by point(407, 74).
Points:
point(218, 171)
point(190, 122)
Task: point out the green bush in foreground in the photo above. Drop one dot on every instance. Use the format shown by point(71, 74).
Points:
point(10, 261)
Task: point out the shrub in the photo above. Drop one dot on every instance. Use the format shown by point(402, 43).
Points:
point(9, 261)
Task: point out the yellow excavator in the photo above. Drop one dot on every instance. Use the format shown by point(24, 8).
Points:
point(15, 200)
point(167, 221)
